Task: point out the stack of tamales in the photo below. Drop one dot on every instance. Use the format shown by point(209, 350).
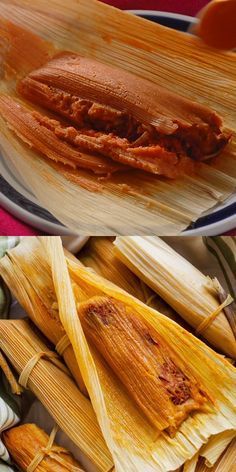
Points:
point(161, 396)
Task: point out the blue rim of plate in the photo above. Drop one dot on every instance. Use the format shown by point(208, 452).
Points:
point(219, 221)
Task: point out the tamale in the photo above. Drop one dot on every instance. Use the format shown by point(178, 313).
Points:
point(136, 200)
point(180, 284)
point(133, 441)
point(25, 441)
point(121, 116)
point(55, 389)
point(17, 270)
point(143, 361)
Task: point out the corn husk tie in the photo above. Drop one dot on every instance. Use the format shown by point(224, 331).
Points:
point(26, 372)
point(53, 452)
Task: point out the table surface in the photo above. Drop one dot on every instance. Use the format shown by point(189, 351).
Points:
point(10, 225)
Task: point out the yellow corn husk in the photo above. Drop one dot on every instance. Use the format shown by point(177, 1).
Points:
point(226, 463)
point(35, 441)
point(141, 203)
point(190, 466)
point(99, 254)
point(57, 392)
point(133, 442)
point(179, 283)
point(211, 453)
point(16, 269)
point(216, 446)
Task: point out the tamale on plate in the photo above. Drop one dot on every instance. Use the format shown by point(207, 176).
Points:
point(145, 179)
point(161, 396)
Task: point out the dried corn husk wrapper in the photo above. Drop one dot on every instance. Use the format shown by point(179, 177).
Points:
point(132, 441)
point(56, 390)
point(141, 204)
point(226, 463)
point(16, 270)
point(180, 284)
point(99, 254)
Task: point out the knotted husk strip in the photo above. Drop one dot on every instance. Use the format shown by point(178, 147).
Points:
point(142, 203)
point(99, 254)
point(134, 444)
point(37, 295)
point(58, 393)
point(179, 283)
point(26, 441)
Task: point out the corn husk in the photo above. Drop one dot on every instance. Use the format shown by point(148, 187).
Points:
point(36, 440)
point(16, 269)
point(212, 451)
point(99, 254)
point(226, 463)
point(180, 284)
point(54, 388)
point(139, 204)
point(135, 445)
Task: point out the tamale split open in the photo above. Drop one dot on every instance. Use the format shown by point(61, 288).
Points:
point(134, 442)
point(132, 199)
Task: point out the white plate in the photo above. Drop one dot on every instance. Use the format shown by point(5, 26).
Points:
point(16, 198)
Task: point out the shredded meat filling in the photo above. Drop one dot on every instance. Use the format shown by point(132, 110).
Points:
point(199, 141)
point(153, 158)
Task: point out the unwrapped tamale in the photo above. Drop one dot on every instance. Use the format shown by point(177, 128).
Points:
point(160, 383)
point(110, 116)
point(26, 441)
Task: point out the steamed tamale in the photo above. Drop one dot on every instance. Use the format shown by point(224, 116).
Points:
point(17, 268)
point(181, 285)
point(71, 410)
point(111, 113)
point(26, 441)
point(160, 383)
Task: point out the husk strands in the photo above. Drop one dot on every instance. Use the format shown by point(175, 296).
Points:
point(97, 30)
point(57, 392)
point(180, 284)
